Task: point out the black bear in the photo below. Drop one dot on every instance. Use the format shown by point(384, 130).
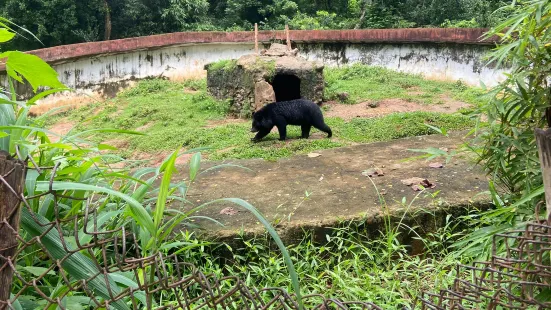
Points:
point(299, 112)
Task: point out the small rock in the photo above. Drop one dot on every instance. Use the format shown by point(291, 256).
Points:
point(314, 155)
point(412, 181)
point(373, 104)
point(343, 97)
point(436, 165)
point(395, 167)
point(417, 183)
point(373, 172)
point(229, 211)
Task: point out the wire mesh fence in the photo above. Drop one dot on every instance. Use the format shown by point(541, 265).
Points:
point(518, 279)
point(93, 268)
point(85, 267)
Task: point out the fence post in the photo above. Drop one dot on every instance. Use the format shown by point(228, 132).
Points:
point(543, 140)
point(12, 180)
point(287, 39)
point(256, 38)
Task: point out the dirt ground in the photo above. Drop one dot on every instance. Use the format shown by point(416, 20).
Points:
point(388, 106)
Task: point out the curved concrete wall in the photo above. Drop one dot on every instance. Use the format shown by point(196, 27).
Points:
point(102, 68)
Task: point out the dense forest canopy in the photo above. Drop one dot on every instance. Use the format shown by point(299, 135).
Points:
point(58, 22)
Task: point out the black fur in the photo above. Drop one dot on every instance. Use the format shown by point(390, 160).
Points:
point(298, 112)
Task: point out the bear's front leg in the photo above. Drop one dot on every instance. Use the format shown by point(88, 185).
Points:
point(282, 132)
point(260, 134)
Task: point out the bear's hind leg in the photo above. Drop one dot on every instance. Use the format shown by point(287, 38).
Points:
point(323, 127)
point(305, 131)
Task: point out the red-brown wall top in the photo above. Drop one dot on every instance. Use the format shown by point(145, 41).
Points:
point(418, 35)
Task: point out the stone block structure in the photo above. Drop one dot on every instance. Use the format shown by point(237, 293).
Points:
point(252, 81)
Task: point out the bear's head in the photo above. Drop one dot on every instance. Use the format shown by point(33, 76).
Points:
point(261, 122)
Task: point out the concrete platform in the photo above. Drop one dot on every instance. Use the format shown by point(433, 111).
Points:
point(337, 191)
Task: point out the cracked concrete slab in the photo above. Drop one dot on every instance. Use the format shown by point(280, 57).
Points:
point(323, 189)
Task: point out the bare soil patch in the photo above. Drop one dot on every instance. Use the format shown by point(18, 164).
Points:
point(225, 121)
point(62, 104)
point(388, 106)
point(145, 127)
point(118, 143)
point(60, 129)
point(190, 91)
point(155, 159)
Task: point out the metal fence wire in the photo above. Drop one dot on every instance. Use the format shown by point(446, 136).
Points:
point(122, 272)
point(521, 279)
point(516, 281)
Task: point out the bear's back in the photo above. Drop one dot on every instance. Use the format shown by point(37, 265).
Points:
point(296, 111)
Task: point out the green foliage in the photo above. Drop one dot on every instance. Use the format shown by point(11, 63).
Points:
point(365, 83)
point(509, 151)
point(86, 20)
point(225, 64)
point(460, 24)
point(80, 21)
point(506, 148)
point(348, 262)
point(114, 198)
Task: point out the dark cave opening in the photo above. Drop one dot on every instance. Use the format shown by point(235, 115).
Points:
point(286, 87)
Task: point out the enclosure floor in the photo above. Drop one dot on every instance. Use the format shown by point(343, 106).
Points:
point(336, 188)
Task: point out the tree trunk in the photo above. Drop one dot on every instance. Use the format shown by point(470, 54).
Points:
point(13, 172)
point(365, 3)
point(107, 35)
point(543, 140)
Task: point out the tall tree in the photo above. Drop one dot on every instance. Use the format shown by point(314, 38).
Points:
point(107, 13)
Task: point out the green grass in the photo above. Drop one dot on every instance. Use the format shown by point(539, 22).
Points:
point(177, 114)
point(227, 65)
point(363, 83)
point(353, 264)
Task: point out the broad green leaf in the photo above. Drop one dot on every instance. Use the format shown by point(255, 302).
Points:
point(7, 118)
point(163, 190)
point(168, 246)
point(76, 264)
point(77, 302)
point(17, 304)
point(94, 225)
point(138, 212)
point(6, 35)
point(194, 166)
point(36, 71)
point(37, 271)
